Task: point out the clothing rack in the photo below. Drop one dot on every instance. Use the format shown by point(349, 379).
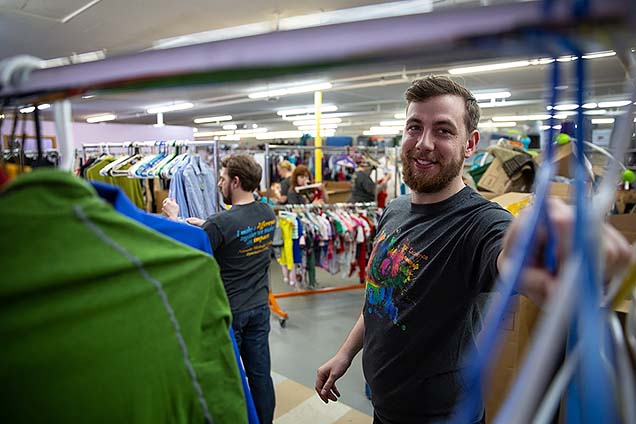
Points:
point(444, 35)
point(359, 205)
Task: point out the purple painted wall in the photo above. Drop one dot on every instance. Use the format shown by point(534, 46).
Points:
point(103, 132)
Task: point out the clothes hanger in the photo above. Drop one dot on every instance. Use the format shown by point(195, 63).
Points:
point(116, 171)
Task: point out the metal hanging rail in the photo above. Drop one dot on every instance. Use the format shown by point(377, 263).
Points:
point(444, 35)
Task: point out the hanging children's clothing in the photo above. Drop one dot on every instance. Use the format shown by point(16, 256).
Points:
point(112, 322)
point(335, 239)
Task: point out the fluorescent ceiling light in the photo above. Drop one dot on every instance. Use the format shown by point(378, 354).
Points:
point(537, 117)
point(27, 109)
point(596, 55)
point(567, 58)
point(493, 95)
point(401, 115)
point(547, 127)
point(595, 112)
point(382, 10)
point(597, 121)
point(313, 127)
point(306, 110)
point(279, 134)
point(213, 119)
point(497, 124)
point(392, 123)
point(590, 105)
point(170, 108)
point(313, 117)
point(568, 106)
point(254, 125)
point(489, 67)
point(313, 122)
point(614, 103)
point(101, 118)
point(290, 90)
point(214, 35)
point(88, 96)
point(251, 131)
point(80, 10)
point(384, 132)
point(391, 129)
point(44, 106)
point(212, 133)
point(230, 127)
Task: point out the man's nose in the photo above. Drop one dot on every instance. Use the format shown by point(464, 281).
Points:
point(425, 142)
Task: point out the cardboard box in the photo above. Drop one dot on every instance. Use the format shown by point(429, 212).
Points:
point(338, 191)
point(564, 191)
point(625, 224)
point(494, 179)
point(624, 200)
point(516, 329)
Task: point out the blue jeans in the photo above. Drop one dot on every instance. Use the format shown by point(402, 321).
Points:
point(251, 329)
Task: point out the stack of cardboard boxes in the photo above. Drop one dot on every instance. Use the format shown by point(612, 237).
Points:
point(519, 323)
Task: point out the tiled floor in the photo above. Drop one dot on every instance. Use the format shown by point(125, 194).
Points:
point(296, 403)
point(315, 330)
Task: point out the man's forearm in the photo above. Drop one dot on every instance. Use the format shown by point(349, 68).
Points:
point(354, 341)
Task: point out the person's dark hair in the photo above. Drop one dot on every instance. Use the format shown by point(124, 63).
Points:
point(432, 86)
point(299, 170)
point(245, 168)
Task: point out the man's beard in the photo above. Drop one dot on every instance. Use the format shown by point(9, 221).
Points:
point(227, 199)
point(419, 182)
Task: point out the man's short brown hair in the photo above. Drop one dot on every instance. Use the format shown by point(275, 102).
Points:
point(245, 168)
point(432, 86)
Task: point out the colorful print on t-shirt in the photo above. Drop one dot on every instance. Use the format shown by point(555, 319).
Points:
point(390, 273)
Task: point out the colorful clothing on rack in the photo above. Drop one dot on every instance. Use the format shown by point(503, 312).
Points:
point(130, 186)
point(336, 240)
point(193, 186)
point(89, 333)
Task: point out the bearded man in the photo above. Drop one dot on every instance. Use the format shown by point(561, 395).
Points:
point(437, 252)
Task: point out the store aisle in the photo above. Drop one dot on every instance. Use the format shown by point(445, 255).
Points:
point(316, 328)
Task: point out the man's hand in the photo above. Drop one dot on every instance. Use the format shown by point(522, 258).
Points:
point(170, 209)
point(327, 375)
point(196, 221)
point(538, 282)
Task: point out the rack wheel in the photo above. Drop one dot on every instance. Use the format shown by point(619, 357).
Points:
point(282, 322)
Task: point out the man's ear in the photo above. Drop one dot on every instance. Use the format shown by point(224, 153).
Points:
point(236, 182)
point(471, 143)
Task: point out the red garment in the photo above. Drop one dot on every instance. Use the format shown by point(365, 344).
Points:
point(362, 261)
point(382, 199)
point(4, 177)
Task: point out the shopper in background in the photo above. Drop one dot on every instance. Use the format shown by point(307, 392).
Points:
point(363, 188)
point(435, 253)
point(301, 177)
point(285, 169)
point(241, 239)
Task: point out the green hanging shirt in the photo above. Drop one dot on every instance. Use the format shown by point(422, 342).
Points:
point(85, 335)
point(130, 186)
